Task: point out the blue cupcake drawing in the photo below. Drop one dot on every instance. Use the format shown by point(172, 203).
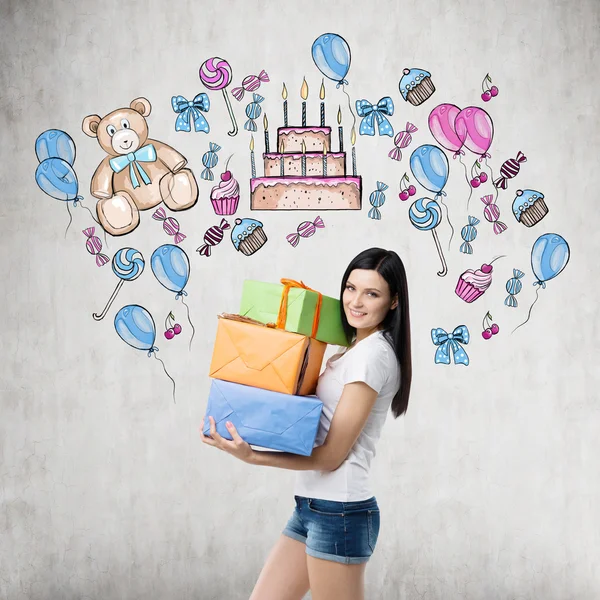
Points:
point(529, 207)
point(248, 236)
point(416, 86)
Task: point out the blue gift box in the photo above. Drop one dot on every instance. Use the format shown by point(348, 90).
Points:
point(264, 418)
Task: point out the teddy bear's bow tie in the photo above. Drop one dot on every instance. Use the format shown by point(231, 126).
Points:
point(144, 154)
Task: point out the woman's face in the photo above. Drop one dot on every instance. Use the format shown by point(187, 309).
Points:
point(366, 299)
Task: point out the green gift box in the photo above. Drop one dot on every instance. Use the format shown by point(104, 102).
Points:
point(261, 301)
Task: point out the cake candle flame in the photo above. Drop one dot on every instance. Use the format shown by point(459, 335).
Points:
point(265, 122)
point(284, 92)
point(353, 136)
point(304, 89)
point(251, 143)
point(339, 115)
point(321, 91)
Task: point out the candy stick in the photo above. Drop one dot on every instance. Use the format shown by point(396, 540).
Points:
point(425, 214)
point(215, 74)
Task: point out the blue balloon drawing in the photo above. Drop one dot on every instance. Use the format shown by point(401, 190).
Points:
point(135, 327)
point(331, 54)
point(56, 178)
point(54, 143)
point(549, 256)
point(429, 165)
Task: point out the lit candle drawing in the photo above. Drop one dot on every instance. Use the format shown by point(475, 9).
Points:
point(304, 94)
point(303, 159)
point(340, 129)
point(322, 96)
point(284, 96)
point(324, 161)
point(281, 159)
point(252, 156)
point(353, 141)
point(266, 126)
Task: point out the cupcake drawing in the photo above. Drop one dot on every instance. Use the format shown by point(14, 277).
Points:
point(248, 236)
point(529, 207)
point(472, 284)
point(225, 197)
point(416, 86)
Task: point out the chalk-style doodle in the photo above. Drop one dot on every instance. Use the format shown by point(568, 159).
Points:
point(248, 236)
point(416, 86)
point(225, 197)
point(425, 214)
point(473, 283)
point(529, 207)
point(489, 328)
point(488, 92)
point(170, 225)
point(253, 111)
point(127, 264)
point(402, 141)
point(250, 84)
point(188, 111)
point(212, 237)
point(171, 267)
point(408, 190)
point(210, 160)
point(513, 287)
point(510, 168)
point(137, 173)
point(491, 213)
point(171, 328)
point(215, 73)
point(306, 229)
point(135, 326)
point(468, 234)
point(449, 345)
point(94, 246)
point(377, 200)
point(372, 114)
point(549, 256)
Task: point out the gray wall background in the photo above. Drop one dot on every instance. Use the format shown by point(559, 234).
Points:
point(488, 487)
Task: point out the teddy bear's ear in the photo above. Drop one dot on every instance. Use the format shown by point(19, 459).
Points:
point(90, 125)
point(142, 106)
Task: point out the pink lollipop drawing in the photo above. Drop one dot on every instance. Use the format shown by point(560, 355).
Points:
point(425, 214)
point(215, 73)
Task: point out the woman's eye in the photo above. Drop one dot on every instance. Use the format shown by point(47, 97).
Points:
point(124, 123)
point(111, 130)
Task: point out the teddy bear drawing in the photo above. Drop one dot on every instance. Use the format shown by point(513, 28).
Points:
point(138, 173)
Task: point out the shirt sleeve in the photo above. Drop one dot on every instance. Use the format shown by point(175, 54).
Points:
point(367, 363)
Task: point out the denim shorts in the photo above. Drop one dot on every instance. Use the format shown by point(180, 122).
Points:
point(344, 532)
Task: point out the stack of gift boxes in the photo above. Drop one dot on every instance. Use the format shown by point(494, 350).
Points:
point(266, 362)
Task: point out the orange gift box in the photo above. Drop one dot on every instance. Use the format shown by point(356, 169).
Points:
point(251, 353)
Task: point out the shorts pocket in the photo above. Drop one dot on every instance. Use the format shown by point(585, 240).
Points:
point(326, 507)
point(373, 522)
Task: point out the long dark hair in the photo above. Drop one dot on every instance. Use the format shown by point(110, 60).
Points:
point(396, 324)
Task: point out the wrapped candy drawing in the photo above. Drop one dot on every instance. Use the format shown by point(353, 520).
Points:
point(371, 113)
point(449, 345)
point(188, 111)
point(94, 246)
point(401, 141)
point(250, 84)
point(491, 213)
point(215, 73)
point(425, 214)
point(549, 256)
point(377, 199)
point(253, 111)
point(468, 234)
point(135, 326)
point(170, 225)
point(127, 264)
point(210, 160)
point(513, 287)
point(212, 237)
point(510, 168)
point(306, 229)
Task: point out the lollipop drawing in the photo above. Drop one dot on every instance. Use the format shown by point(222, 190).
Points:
point(549, 256)
point(127, 264)
point(171, 267)
point(215, 73)
point(425, 214)
point(135, 326)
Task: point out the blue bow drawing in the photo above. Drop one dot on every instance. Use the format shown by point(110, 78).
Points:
point(369, 113)
point(188, 110)
point(451, 342)
point(146, 153)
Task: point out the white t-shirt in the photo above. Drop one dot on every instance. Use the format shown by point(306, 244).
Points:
point(373, 361)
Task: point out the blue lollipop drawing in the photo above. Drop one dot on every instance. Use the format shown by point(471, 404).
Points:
point(127, 264)
point(425, 214)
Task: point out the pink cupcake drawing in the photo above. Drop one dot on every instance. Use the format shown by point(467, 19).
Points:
point(225, 197)
point(473, 283)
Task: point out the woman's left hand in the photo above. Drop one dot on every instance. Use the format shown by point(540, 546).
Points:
point(238, 447)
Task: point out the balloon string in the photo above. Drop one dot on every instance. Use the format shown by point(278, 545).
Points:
point(190, 322)
point(492, 176)
point(466, 179)
point(70, 220)
point(537, 291)
point(349, 104)
point(448, 219)
point(167, 374)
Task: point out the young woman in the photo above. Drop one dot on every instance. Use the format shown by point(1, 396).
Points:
point(335, 524)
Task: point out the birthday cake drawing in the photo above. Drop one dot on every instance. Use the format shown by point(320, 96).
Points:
point(304, 173)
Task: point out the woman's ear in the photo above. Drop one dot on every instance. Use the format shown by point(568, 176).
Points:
point(394, 302)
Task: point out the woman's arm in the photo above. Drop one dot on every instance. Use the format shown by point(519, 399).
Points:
point(348, 420)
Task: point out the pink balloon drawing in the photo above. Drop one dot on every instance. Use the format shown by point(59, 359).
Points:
point(475, 130)
point(441, 125)
point(215, 73)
